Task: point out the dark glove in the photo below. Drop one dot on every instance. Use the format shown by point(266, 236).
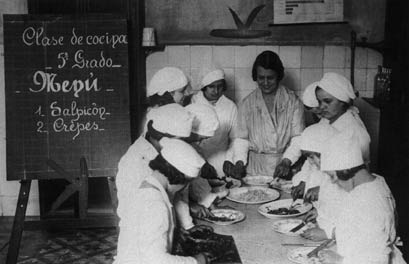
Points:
point(283, 169)
point(239, 170)
point(208, 171)
point(312, 194)
point(228, 168)
point(298, 191)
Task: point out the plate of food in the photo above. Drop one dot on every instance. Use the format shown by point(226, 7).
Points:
point(299, 255)
point(281, 208)
point(253, 195)
point(285, 225)
point(225, 216)
point(258, 180)
point(281, 184)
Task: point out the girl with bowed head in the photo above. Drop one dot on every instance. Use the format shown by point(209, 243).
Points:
point(134, 170)
point(331, 99)
point(325, 195)
point(148, 237)
point(365, 228)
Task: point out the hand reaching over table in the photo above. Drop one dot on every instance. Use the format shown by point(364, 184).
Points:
point(312, 194)
point(298, 191)
point(283, 169)
point(199, 211)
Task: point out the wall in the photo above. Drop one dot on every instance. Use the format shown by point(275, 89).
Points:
point(179, 20)
point(303, 65)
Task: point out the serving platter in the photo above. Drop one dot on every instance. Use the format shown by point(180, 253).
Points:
point(226, 216)
point(258, 180)
point(300, 206)
point(299, 255)
point(284, 226)
point(253, 195)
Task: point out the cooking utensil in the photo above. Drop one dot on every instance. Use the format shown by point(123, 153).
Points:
point(320, 247)
point(298, 227)
point(301, 244)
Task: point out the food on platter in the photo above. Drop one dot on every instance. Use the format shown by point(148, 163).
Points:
point(258, 180)
point(281, 208)
point(299, 255)
point(225, 216)
point(281, 184)
point(284, 211)
point(285, 226)
point(253, 195)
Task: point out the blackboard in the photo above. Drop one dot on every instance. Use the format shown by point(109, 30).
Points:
point(66, 87)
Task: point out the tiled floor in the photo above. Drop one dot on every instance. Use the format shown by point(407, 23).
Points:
point(91, 246)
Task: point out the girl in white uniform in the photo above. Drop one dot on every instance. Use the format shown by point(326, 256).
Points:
point(146, 232)
point(365, 230)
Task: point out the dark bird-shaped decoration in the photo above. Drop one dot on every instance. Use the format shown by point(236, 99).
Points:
point(242, 30)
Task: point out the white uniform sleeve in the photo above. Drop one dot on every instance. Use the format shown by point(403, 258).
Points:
point(147, 240)
point(201, 192)
point(241, 144)
point(293, 152)
point(181, 204)
point(302, 175)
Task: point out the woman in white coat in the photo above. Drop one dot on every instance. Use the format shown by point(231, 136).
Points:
point(365, 230)
point(147, 234)
point(224, 145)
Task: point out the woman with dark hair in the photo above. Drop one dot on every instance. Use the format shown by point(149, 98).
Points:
point(365, 229)
point(270, 116)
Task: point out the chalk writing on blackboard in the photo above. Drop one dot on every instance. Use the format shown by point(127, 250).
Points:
point(67, 91)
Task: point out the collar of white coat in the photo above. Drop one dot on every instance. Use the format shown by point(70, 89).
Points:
point(146, 148)
point(201, 99)
point(281, 98)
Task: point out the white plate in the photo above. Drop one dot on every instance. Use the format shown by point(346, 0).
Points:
point(258, 180)
point(285, 225)
point(234, 216)
point(282, 185)
point(302, 207)
point(299, 255)
point(253, 195)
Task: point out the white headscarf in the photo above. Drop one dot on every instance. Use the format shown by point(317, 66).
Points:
point(337, 86)
point(308, 97)
point(314, 138)
point(212, 76)
point(172, 119)
point(205, 121)
point(167, 79)
point(342, 152)
point(182, 156)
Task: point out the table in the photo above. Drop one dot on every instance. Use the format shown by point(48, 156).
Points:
point(254, 236)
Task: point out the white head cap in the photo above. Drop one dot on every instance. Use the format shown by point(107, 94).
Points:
point(167, 79)
point(342, 152)
point(337, 86)
point(308, 97)
point(212, 76)
point(172, 119)
point(205, 121)
point(314, 138)
point(182, 156)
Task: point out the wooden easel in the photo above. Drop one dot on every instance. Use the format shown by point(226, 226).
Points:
point(78, 186)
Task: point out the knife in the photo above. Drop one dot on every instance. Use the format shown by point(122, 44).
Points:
point(320, 247)
point(298, 227)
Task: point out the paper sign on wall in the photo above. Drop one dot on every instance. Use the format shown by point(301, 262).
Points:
point(308, 11)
